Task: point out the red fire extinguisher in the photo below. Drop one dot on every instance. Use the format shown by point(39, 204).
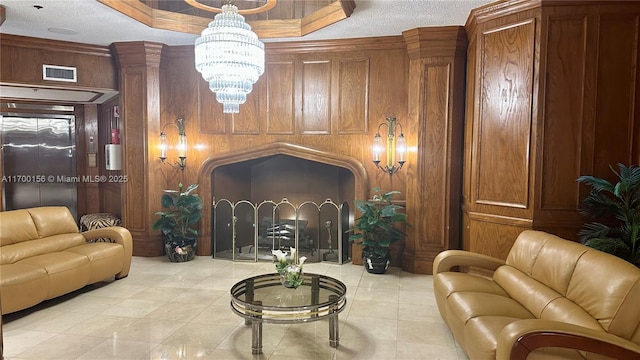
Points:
point(115, 132)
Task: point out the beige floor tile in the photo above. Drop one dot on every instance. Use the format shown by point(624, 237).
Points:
point(57, 323)
point(416, 298)
point(413, 312)
point(368, 327)
point(16, 342)
point(199, 335)
point(168, 352)
point(104, 326)
point(366, 349)
point(113, 349)
point(423, 332)
point(413, 351)
point(62, 347)
point(218, 315)
point(165, 311)
point(200, 296)
point(374, 309)
point(377, 294)
point(177, 311)
point(149, 330)
point(133, 308)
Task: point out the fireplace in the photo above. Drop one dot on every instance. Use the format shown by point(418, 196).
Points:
point(279, 195)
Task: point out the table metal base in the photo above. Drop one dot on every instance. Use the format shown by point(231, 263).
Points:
point(256, 334)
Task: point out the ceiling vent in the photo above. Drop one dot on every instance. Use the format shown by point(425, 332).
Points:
point(59, 73)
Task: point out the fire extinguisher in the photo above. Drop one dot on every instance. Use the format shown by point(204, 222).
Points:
point(115, 132)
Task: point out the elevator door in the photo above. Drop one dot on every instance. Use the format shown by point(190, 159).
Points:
point(38, 160)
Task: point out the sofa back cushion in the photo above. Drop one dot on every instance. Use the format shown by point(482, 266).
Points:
point(16, 226)
point(13, 253)
point(53, 220)
point(603, 286)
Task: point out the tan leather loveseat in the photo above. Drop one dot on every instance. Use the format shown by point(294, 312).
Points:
point(550, 297)
point(42, 256)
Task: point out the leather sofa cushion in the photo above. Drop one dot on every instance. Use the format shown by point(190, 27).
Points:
point(566, 311)
point(484, 331)
point(450, 282)
point(11, 254)
point(106, 259)
point(67, 271)
point(546, 258)
point(468, 305)
point(613, 306)
point(53, 220)
point(16, 226)
point(527, 291)
point(22, 284)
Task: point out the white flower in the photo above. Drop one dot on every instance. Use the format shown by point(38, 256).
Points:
point(293, 253)
point(302, 260)
point(280, 256)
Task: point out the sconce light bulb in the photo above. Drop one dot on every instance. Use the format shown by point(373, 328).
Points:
point(163, 146)
point(377, 148)
point(182, 146)
point(401, 148)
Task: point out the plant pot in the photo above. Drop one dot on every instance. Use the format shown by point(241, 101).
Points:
point(374, 263)
point(180, 251)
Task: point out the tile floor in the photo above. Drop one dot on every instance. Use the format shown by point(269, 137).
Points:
point(166, 310)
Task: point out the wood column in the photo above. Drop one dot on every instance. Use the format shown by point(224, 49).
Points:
point(436, 113)
point(139, 65)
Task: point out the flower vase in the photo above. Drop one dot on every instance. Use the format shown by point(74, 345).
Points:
point(292, 276)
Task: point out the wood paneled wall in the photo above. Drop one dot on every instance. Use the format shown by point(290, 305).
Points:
point(552, 94)
point(313, 99)
point(322, 101)
point(22, 58)
point(436, 114)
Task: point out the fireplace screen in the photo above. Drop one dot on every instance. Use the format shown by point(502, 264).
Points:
point(246, 231)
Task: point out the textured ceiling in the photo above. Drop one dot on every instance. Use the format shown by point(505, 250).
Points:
point(94, 23)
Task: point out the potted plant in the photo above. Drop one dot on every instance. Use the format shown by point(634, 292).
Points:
point(182, 210)
point(378, 226)
point(617, 209)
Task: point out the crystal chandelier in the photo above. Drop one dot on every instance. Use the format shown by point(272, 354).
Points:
point(230, 58)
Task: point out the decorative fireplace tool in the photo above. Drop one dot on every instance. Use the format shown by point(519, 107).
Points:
point(329, 254)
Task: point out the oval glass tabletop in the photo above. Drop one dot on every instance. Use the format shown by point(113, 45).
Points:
point(264, 298)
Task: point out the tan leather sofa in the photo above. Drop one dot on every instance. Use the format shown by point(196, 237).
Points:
point(551, 299)
point(43, 255)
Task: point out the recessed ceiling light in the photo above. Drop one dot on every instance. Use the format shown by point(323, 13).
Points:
point(62, 31)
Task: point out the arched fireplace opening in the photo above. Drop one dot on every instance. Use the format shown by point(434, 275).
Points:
point(274, 172)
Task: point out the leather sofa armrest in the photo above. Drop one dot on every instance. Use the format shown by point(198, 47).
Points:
point(448, 259)
point(121, 236)
point(522, 337)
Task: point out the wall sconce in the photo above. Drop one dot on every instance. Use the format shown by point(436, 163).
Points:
point(396, 148)
point(181, 146)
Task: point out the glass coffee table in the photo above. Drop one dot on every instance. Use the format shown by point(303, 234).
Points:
point(263, 299)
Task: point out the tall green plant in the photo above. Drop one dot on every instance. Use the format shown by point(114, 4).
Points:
point(616, 207)
point(182, 212)
point(378, 225)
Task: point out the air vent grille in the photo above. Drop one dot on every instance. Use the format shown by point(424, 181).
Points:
point(59, 73)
